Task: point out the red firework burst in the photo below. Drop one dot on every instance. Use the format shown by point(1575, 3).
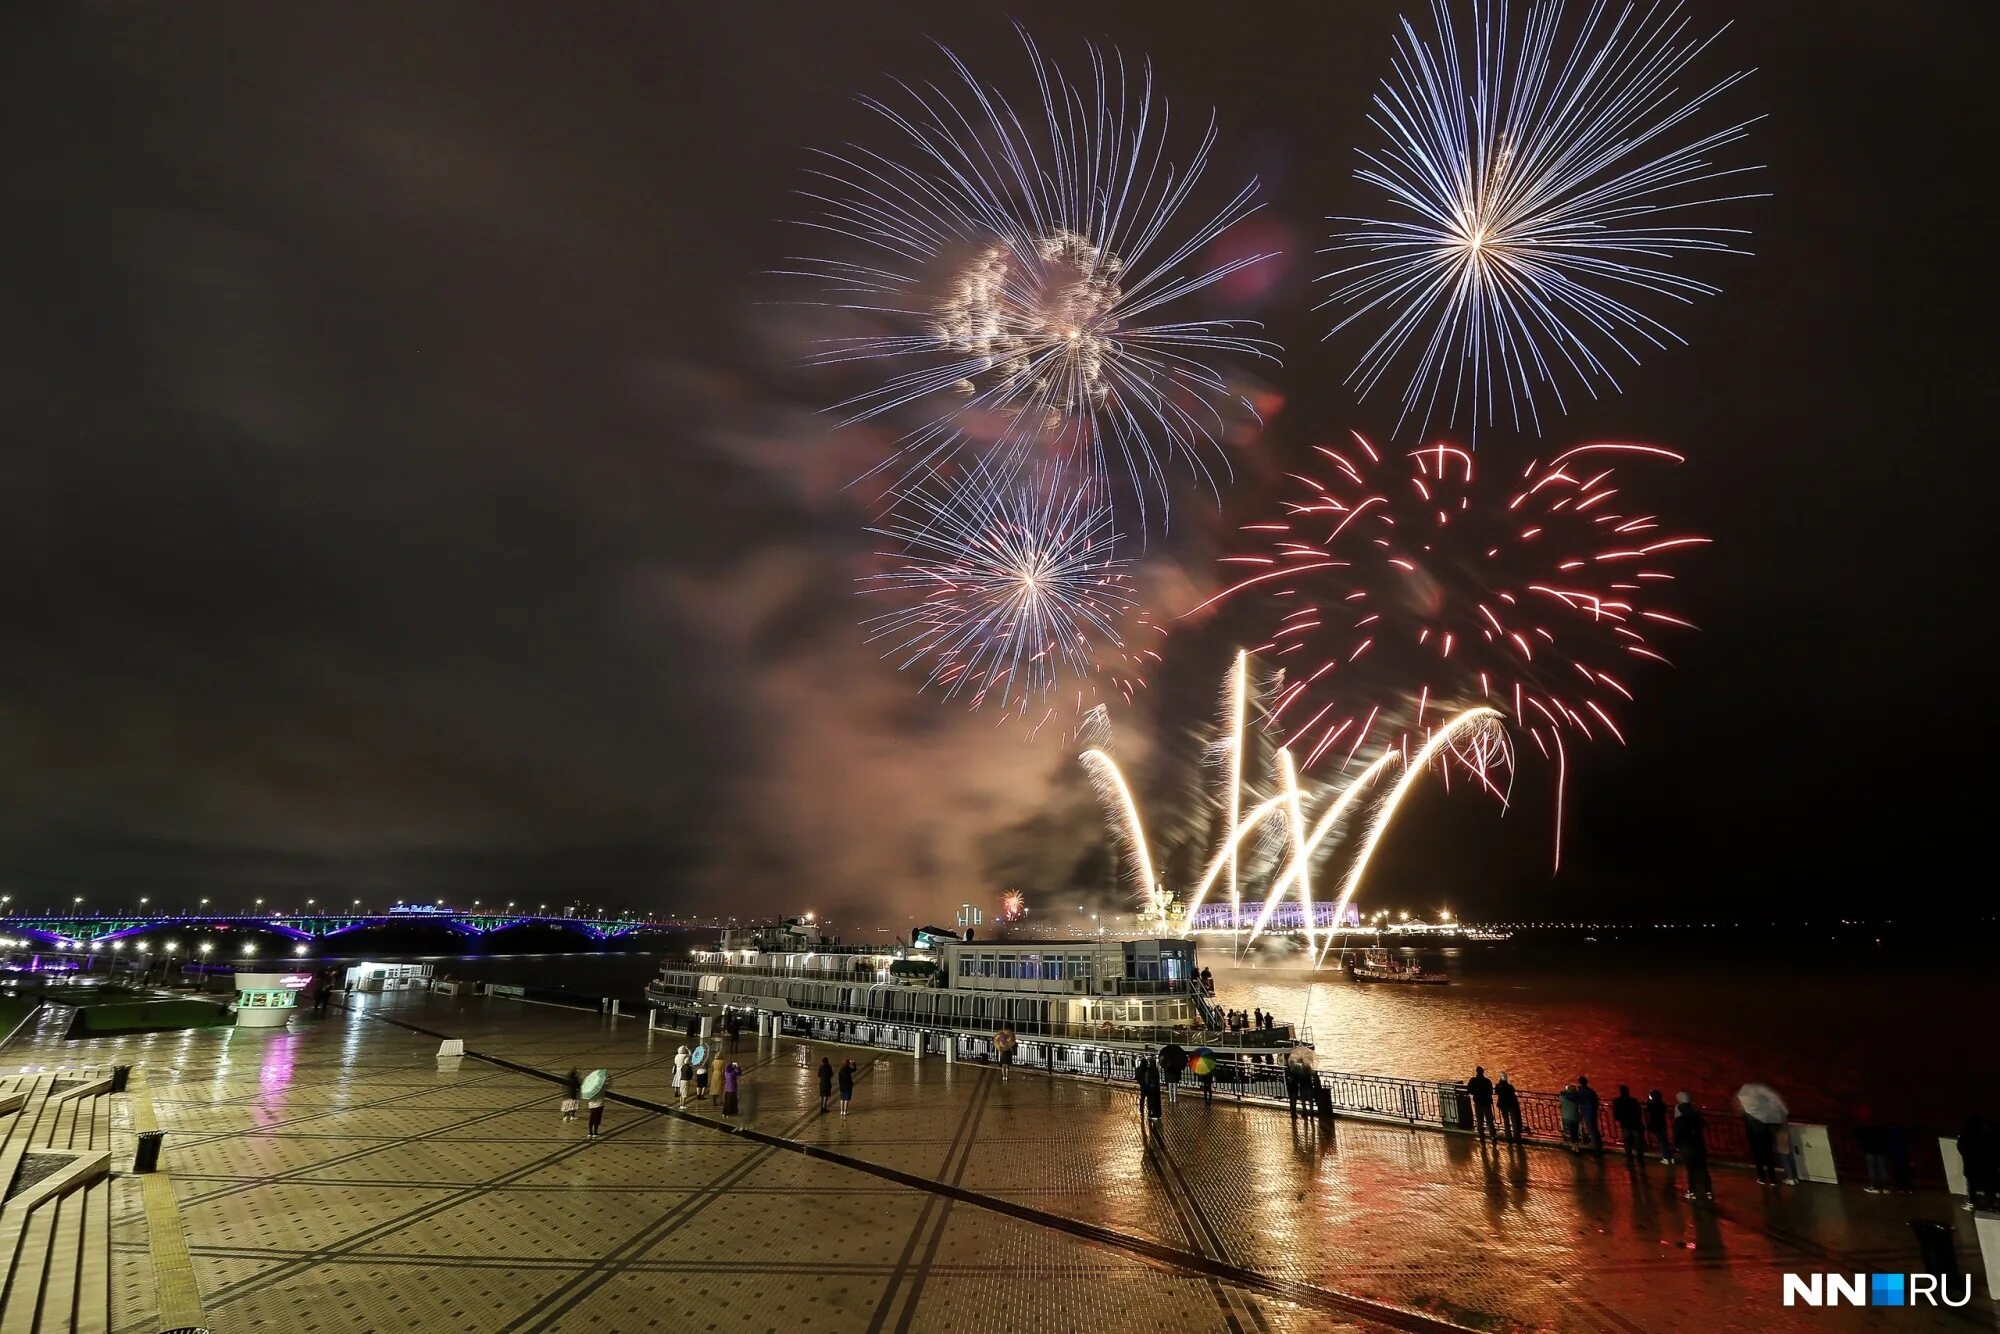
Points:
point(1413, 587)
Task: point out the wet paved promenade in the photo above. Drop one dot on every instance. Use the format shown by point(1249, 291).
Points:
point(334, 1177)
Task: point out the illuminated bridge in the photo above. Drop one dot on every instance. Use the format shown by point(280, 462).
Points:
point(83, 929)
point(1213, 916)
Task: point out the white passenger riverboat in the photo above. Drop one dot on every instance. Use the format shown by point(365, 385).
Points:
point(1136, 993)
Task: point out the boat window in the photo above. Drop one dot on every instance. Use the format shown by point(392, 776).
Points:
point(1031, 967)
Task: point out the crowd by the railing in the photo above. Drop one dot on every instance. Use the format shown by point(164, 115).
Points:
point(1530, 1116)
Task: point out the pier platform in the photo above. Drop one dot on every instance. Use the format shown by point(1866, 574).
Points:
point(336, 1175)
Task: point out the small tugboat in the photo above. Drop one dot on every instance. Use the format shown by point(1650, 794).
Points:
point(1377, 965)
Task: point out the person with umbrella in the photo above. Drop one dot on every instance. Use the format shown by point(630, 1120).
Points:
point(1204, 1070)
point(700, 1061)
point(1764, 1113)
point(1004, 1043)
point(593, 1097)
point(1173, 1063)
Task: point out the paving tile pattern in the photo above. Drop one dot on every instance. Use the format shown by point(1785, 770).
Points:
point(336, 1176)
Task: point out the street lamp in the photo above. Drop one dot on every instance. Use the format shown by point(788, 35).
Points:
point(207, 945)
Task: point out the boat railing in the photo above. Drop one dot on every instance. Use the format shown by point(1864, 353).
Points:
point(842, 971)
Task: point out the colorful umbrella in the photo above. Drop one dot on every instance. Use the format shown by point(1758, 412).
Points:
point(1204, 1062)
point(1004, 1040)
point(699, 1058)
point(594, 1082)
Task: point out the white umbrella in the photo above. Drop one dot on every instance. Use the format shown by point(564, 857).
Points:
point(1760, 1102)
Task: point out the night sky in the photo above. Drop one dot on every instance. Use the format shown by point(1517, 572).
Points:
point(411, 485)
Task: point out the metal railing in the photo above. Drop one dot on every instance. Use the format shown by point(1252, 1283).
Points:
point(1257, 1077)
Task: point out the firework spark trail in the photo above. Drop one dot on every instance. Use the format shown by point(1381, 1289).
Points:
point(1296, 822)
point(1027, 264)
point(1539, 193)
point(1415, 578)
point(1117, 796)
point(1385, 811)
point(1008, 588)
point(1238, 696)
point(1328, 821)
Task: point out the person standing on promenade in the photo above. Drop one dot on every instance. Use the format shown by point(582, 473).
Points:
point(1657, 1121)
point(846, 1085)
point(573, 1083)
point(1691, 1146)
point(569, 1107)
point(735, 1034)
point(1509, 1099)
point(1298, 1094)
point(596, 1115)
point(1586, 1116)
point(1570, 1116)
point(730, 1074)
point(1899, 1157)
point(1147, 1076)
point(701, 1075)
point(1480, 1089)
point(1980, 1157)
point(1631, 1124)
point(825, 1084)
point(1874, 1150)
point(680, 1074)
point(1173, 1064)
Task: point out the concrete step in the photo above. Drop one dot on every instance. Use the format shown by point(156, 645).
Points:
point(21, 1299)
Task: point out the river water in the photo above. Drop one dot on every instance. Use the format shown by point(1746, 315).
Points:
point(1834, 1029)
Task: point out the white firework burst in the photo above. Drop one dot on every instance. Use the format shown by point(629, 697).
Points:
point(1026, 269)
point(1007, 589)
point(1542, 190)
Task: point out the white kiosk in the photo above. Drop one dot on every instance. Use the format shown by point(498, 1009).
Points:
point(267, 1000)
point(370, 977)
